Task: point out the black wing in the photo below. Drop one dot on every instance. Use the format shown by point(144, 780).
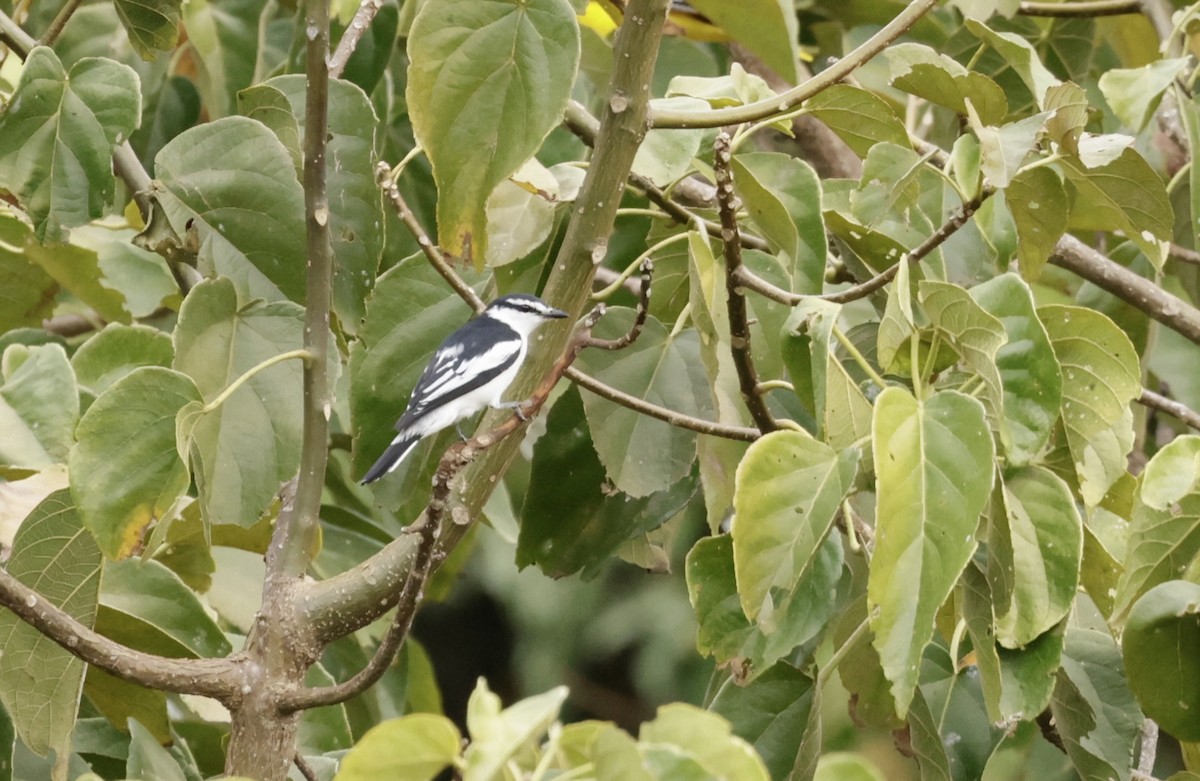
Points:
point(471, 357)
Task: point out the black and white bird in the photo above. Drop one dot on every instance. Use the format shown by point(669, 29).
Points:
point(471, 370)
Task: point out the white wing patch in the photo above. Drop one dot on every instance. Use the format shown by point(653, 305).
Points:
point(451, 373)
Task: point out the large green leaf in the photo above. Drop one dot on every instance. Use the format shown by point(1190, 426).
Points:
point(1020, 56)
point(225, 35)
point(860, 118)
point(57, 135)
point(40, 682)
point(1160, 642)
point(933, 461)
point(571, 520)
point(923, 72)
point(1003, 149)
point(783, 196)
point(39, 406)
point(773, 713)
point(1125, 194)
point(1029, 371)
point(408, 315)
point(245, 449)
point(1093, 709)
point(1100, 377)
point(496, 735)
point(706, 738)
point(355, 200)
point(728, 636)
point(642, 455)
point(233, 184)
point(766, 27)
point(1164, 533)
point(116, 351)
point(146, 606)
point(153, 25)
point(1035, 544)
point(488, 82)
point(26, 290)
point(415, 747)
point(789, 488)
point(125, 469)
point(976, 334)
point(1134, 93)
point(1038, 204)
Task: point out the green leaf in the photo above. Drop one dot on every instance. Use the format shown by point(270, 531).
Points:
point(40, 682)
point(153, 26)
point(270, 106)
point(1003, 149)
point(773, 713)
point(666, 154)
point(1029, 371)
point(520, 213)
point(974, 333)
point(245, 449)
point(1093, 709)
point(766, 27)
point(789, 488)
point(1100, 377)
point(409, 313)
point(226, 37)
point(846, 766)
point(1159, 644)
point(125, 469)
point(1070, 106)
point(1172, 473)
point(1015, 683)
point(1038, 204)
point(571, 520)
point(119, 700)
point(57, 135)
point(355, 200)
point(1163, 542)
point(26, 291)
point(496, 735)
point(933, 460)
point(927, 744)
point(148, 760)
point(705, 737)
point(116, 351)
point(412, 748)
point(509, 67)
point(232, 182)
point(1134, 93)
point(783, 196)
point(617, 758)
point(1125, 194)
point(1020, 56)
point(724, 631)
point(921, 71)
point(39, 406)
point(146, 606)
point(1035, 545)
point(860, 118)
point(643, 455)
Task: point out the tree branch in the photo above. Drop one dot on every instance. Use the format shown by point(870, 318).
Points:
point(739, 329)
point(60, 21)
point(787, 101)
point(639, 320)
point(217, 678)
point(1171, 407)
point(352, 35)
point(14, 37)
point(1083, 9)
point(1175, 313)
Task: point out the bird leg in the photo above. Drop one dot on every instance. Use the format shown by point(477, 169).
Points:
point(515, 406)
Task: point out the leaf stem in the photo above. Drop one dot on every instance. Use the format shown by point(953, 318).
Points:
point(60, 21)
point(606, 293)
point(249, 373)
point(858, 357)
point(840, 653)
point(1083, 9)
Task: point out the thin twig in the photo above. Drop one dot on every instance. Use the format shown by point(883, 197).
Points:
point(739, 329)
point(1084, 9)
point(218, 678)
point(1184, 255)
point(352, 35)
point(305, 769)
point(1148, 751)
point(432, 253)
point(785, 102)
point(60, 21)
point(71, 325)
point(1173, 408)
point(639, 320)
point(14, 37)
point(933, 241)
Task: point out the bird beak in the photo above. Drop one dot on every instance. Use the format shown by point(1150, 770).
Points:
point(556, 314)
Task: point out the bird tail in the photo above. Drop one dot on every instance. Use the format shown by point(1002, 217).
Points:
point(401, 446)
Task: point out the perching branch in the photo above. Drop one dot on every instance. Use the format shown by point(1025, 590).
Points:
point(787, 101)
point(739, 328)
point(217, 678)
point(1175, 409)
point(352, 35)
point(639, 321)
point(1092, 8)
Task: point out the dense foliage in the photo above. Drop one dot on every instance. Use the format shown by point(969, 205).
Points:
point(875, 463)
